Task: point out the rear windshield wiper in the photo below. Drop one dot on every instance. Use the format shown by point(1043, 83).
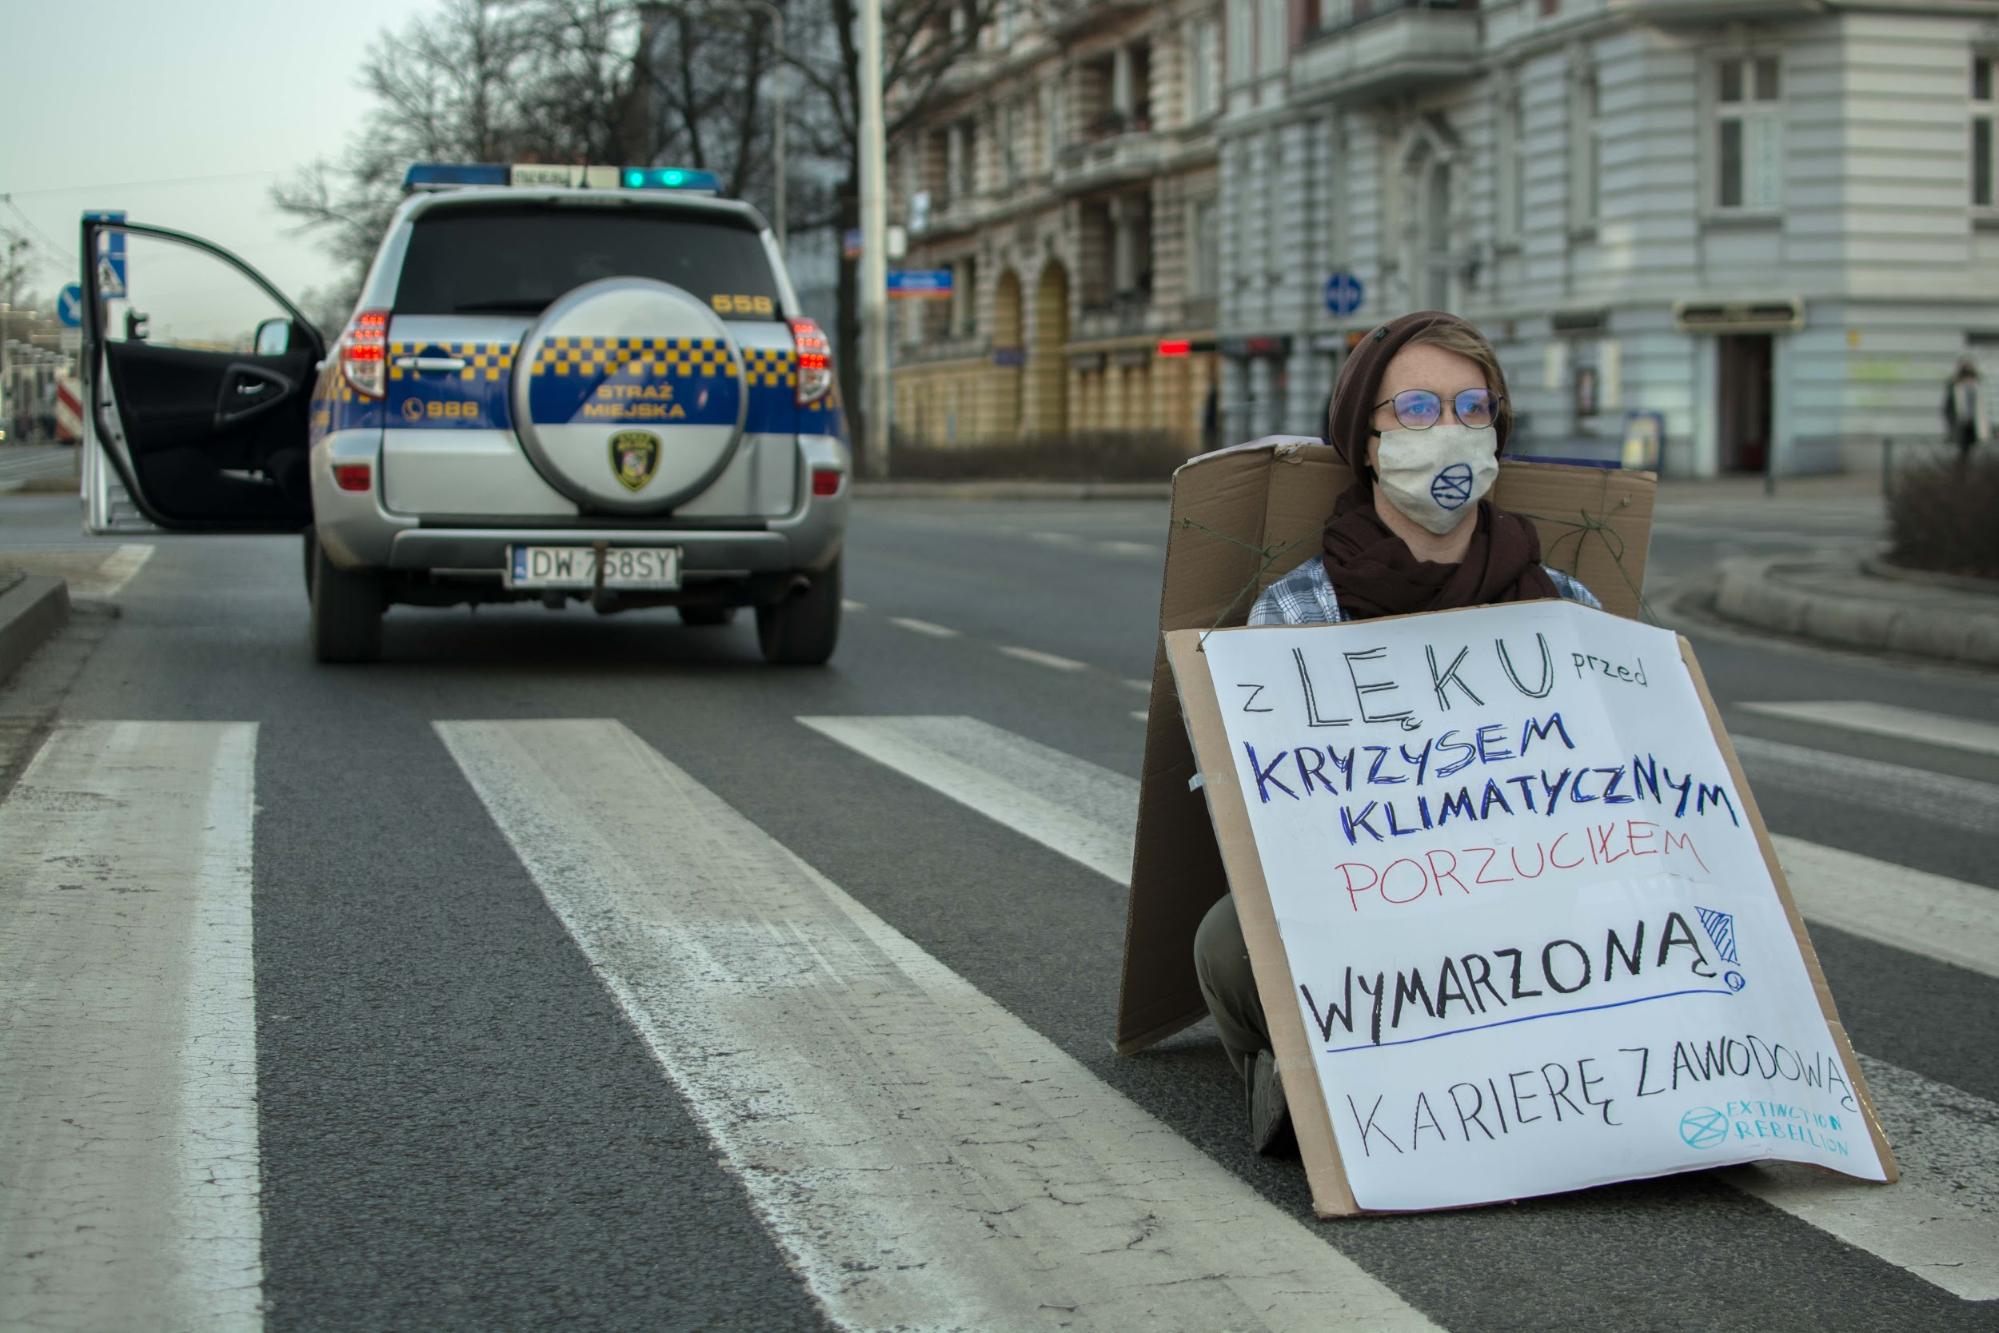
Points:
point(529, 305)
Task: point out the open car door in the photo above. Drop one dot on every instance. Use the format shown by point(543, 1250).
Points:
point(197, 386)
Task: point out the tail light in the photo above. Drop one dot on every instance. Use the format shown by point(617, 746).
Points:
point(353, 476)
point(815, 361)
point(364, 353)
point(825, 481)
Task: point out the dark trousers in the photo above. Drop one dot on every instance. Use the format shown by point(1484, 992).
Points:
point(1221, 962)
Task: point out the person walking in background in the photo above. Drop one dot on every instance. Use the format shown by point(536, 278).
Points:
point(1966, 419)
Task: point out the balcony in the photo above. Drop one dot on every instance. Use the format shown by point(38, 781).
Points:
point(1397, 46)
point(1122, 149)
point(1671, 13)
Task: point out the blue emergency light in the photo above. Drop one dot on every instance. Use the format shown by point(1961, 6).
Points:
point(436, 175)
point(671, 178)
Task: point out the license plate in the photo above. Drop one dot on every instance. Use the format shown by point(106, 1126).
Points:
point(576, 567)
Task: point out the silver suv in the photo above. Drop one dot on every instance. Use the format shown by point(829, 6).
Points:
point(561, 383)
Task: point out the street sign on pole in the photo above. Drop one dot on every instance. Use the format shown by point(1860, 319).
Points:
point(919, 282)
point(69, 306)
point(1344, 293)
point(111, 254)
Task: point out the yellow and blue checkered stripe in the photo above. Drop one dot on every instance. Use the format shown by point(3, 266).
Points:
point(568, 375)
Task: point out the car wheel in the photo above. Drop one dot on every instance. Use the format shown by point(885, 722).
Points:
point(346, 612)
point(802, 629)
point(707, 615)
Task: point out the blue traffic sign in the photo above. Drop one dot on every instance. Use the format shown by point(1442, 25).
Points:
point(919, 282)
point(69, 306)
point(110, 255)
point(1344, 293)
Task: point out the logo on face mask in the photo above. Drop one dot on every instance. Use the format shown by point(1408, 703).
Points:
point(1451, 488)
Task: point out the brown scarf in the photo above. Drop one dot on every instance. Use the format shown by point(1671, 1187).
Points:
point(1374, 573)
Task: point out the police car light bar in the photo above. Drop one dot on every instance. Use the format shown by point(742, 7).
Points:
point(544, 175)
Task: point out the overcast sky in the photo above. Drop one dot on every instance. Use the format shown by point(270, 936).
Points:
point(100, 97)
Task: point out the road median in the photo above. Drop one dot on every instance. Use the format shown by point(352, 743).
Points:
point(1840, 600)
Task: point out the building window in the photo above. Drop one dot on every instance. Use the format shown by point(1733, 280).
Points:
point(965, 297)
point(1203, 44)
point(964, 167)
point(1054, 112)
point(1749, 134)
point(1270, 37)
point(1512, 166)
point(1240, 37)
point(1585, 152)
point(1984, 143)
point(1204, 278)
point(1009, 128)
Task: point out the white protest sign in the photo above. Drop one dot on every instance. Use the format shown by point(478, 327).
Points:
point(1525, 911)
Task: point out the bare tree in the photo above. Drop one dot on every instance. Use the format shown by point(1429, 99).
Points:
point(921, 41)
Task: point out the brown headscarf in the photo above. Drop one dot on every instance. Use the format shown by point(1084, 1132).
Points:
point(1373, 571)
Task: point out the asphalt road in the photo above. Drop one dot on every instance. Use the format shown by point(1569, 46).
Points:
point(460, 1123)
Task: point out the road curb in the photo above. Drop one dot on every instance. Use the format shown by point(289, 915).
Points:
point(1766, 593)
point(1013, 490)
point(31, 610)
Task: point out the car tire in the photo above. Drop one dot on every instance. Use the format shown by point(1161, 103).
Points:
point(707, 615)
point(802, 629)
point(347, 611)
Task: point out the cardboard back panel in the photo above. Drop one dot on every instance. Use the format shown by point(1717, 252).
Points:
point(1242, 518)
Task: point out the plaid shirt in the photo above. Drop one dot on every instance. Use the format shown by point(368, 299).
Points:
point(1305, 597)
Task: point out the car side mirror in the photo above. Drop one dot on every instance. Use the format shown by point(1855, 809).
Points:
point(137, 326)
point(274, 337)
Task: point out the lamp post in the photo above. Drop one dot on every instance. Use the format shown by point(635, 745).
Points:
point(777, 131)
point(874, 253)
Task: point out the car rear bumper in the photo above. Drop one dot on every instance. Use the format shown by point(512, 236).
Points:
point(359, 533)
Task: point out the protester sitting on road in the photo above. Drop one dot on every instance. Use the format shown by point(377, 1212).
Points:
point(1966, 418)
point(1421, 410)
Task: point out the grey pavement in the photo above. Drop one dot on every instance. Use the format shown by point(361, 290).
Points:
point(36, 466)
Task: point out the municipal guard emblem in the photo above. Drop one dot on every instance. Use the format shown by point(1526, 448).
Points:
point(634, 458)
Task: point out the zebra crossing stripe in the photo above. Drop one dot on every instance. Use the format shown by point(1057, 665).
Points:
point(128, 1057)
point(1941, 918)
point(1891, 720)
point(1939, 1224)
point(1085, 812)
point(924, 1157)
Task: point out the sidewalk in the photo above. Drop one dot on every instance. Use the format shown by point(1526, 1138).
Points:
point(1862, 602)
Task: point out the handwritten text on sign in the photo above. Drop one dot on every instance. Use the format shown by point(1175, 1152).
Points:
point(1532, 934)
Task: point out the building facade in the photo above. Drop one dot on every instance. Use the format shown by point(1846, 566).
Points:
point(1065, 176)
point(1767, 227)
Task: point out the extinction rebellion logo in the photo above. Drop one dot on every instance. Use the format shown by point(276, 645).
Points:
point(1704, 1127)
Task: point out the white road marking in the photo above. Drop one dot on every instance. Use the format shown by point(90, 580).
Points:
point(1142, 686)
point(1942, 1222)
point(116, 571)
point(1140, 714)
point(128, 1101)
point(924, 627)
point(975, 764)
point(1941, 918)
point(1057, 538)
point(849, 604)
point(1909, 724)
point(925, 1158)
point(1914, 792)
point(1043, 659)
point(1129, 548)
point(1067, 805)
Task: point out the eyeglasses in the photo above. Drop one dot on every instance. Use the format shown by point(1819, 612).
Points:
point(1420, 409)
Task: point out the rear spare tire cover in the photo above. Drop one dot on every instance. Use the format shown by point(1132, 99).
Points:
point(628, 395)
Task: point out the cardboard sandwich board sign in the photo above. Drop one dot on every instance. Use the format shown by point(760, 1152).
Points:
point(1514, 917)
point(1243, 517)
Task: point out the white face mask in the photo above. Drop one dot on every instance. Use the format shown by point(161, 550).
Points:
point(1437, 476)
